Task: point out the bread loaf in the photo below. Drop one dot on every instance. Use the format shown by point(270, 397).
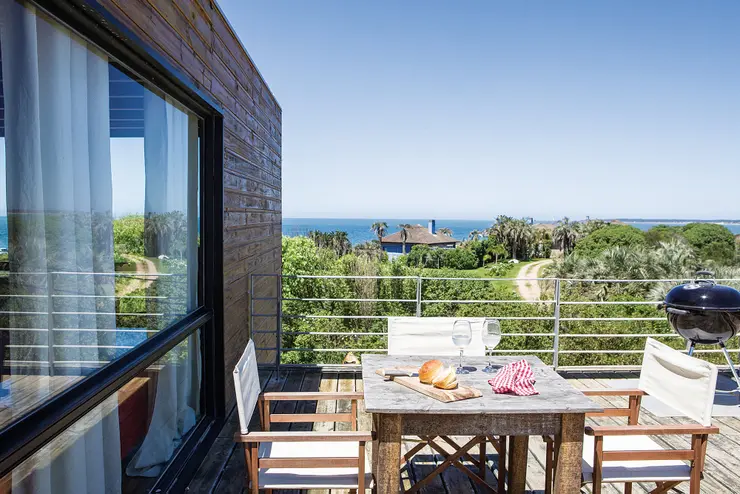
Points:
point(428, 370)
point(445, 379)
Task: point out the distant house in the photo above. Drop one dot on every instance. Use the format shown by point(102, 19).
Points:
point(416, 235)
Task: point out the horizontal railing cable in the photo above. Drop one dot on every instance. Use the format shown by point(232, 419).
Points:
point(564, 314)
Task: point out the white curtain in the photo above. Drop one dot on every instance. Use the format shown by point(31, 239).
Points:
point(59, 197)
point(171, 229)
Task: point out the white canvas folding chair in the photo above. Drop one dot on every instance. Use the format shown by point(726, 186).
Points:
point(297, 460)
point(432, 336)
point(628, 453)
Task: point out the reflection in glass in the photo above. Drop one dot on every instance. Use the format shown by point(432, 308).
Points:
point(98, 223)
point(124, 443)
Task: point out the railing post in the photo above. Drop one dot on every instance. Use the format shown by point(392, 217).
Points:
point(418, 296)
point(279, 312)
point(50, 321)
point(556, 326)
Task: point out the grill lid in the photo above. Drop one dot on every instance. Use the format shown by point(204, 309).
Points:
point(704, 295)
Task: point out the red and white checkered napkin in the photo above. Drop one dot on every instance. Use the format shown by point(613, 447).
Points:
point(516, 378)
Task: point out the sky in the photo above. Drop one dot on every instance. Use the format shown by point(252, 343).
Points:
point(467, 110)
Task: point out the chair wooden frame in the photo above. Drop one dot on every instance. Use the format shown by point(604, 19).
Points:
point(696, 454)
point(252, 440)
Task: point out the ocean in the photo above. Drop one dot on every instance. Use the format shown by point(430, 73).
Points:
point(358, 230)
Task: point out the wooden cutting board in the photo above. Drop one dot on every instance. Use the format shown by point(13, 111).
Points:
point(443, 395)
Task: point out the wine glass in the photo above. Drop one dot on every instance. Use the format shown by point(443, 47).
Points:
point(491, 339)
point(462, 335)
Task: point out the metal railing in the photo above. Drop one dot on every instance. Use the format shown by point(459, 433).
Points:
point(559, 316)
point(40, 315)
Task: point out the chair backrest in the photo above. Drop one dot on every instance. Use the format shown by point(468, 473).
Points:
point(431, 336)
point(684, 383)
point(247, 384)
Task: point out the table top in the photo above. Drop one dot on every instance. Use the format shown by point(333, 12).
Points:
point(556, 394)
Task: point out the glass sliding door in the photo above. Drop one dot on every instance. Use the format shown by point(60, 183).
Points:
point(99, 252)
point(112, 448)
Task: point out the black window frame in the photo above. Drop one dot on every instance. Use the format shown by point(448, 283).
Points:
point(26, 435)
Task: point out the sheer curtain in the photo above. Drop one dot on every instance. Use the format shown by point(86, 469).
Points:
point(171, 229)
point(59, 198)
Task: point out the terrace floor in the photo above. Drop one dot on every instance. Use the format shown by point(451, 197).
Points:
point(223, 472)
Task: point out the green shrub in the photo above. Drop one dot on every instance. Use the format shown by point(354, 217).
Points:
point(610, 236)
point(459, 259)
point(128, 235)
point(711, 241)
point(663, 233)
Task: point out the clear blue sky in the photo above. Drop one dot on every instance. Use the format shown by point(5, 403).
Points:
point(472, 109)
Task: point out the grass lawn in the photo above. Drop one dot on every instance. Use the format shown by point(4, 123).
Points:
point(484, 272)
point(512, 272)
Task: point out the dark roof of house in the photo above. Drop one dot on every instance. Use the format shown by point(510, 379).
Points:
point(418, 234)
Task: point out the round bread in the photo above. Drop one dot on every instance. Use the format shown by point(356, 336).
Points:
point(428, 370)
point(445, 379)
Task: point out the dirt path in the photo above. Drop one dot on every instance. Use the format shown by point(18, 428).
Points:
point(143, 266)
point(528, 287)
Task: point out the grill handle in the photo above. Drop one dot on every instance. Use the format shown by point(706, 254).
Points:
point(710, 280)
point(677, 312)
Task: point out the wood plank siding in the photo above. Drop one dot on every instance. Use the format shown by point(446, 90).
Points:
point(194, 36)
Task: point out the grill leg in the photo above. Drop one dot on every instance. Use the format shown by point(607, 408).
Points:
point(732, 367)
point(691, 348)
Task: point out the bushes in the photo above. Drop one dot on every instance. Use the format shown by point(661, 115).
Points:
point(128, 235)
point(500, 269)
point(397, 297)
point(459, 259)
point(663, 233)
point(610, 236)
point(711, 241)
point(423, 256)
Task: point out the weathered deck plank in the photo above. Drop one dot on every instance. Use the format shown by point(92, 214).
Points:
point(223, 469)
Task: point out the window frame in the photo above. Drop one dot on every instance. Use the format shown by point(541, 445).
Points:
point(26, 435)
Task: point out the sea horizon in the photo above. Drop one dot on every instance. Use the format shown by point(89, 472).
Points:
point(358, 229)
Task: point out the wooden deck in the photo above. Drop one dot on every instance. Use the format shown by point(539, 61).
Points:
point(223, 470)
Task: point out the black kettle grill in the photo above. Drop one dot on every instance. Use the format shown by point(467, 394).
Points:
point(704, 313)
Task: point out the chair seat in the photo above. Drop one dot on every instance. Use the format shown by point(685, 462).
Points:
point(311, 478)
point(632, 471)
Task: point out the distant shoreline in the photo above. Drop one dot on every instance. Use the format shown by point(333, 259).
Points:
point(358, 229)
point(678, 222)
point(665, 221)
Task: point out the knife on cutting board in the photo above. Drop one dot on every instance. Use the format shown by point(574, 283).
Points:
point(392, 372)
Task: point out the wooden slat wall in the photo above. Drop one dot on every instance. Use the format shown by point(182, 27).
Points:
point(196, 39)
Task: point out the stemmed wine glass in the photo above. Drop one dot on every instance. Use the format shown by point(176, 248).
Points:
point(491, 339)
point(461, 337)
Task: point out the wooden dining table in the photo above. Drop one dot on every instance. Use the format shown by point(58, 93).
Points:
point(558, 409)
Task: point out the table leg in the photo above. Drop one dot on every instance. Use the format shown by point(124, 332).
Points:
point(568, 470)
point(387, 452)
point(517, 468)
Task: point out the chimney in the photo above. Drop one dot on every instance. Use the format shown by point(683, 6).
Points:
point(432, 227)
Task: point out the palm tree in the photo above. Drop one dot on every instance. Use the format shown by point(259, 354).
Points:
point(404, 235)
point(370, 250)
point(542, 243)
point(501, 230)
point(520, 236)
point(445, 231)
point(493, 253)
point(475, 234)
point(565, 234)
point(380, 228)
point(340, 243)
